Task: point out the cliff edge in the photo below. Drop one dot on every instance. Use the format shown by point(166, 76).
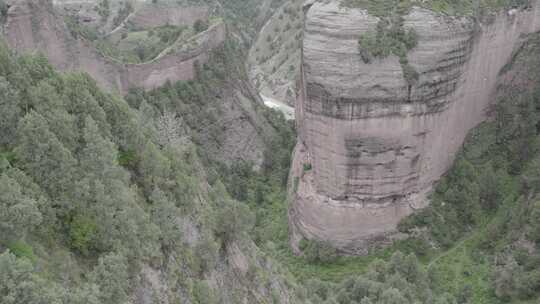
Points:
point(34, 25)
point(370, 143)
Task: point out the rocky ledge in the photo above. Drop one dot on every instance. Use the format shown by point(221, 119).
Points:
point(370, 144)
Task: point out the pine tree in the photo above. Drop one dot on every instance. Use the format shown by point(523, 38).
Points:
point(18, 213)
point(43, 157)
point(111, 275)
point(99, 157)
point(51, 105)
point(9, 113)
point(392, 296)
point(165, 215)
point(19, 283)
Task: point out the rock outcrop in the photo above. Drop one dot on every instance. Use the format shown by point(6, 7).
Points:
point(376, 145)
point(152, 15)
point(33, 25)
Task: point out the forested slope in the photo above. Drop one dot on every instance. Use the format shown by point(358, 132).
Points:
point(102, 202)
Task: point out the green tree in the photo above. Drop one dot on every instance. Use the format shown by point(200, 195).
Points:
point(154, 168)
point(200, 26)
point(233, 219)
point(392, 296)
point(18, 213)
point(99, 157)
point(204, 294)
point(46, 101)
point(85, 294)
point(315, 251)
point(10, 113)
point(111, 275)
point(490, 189)
point(83, 233)
point(166, 216)
point(366, 301)
point(43, 157)
point(20, 284)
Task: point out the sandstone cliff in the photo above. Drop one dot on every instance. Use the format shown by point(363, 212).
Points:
point(36, 26)
point(375, 144)
point(150, 15)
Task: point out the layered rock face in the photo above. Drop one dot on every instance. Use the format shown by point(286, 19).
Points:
point(155, 15)
point(375, 144)
point(33, 25)
point(152, 15)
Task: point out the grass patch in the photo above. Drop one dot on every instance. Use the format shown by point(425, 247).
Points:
point(22, 250)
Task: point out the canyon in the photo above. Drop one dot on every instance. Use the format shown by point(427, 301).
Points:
point(39, 26)
point(371, 145)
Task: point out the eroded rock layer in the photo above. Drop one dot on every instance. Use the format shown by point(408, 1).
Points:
point(375, 145)
point(33, 25)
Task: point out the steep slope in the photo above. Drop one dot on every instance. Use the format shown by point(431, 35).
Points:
point(371, 143)
point(35, 25)
point(105, 203)
point(274, 58)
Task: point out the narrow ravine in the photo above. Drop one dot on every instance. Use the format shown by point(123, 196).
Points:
point(287, 110)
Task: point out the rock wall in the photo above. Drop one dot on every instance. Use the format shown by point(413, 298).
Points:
point(33, 25)
point(154, 15)
point(376, 145)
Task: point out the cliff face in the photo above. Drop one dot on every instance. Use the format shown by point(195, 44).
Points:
point(375, 144)
point(34, 25)
point(151, 15)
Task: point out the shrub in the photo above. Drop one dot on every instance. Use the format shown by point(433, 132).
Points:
point(203, 294)
point(83, 233)
point(410, 74)
point(200, 26)
point(318, 252)
point(22, 249)
point(3, 10)
point(233, 219)
point(390, 38)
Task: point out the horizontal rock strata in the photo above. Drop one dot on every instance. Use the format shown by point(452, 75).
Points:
point(33, 25)
point(376, 145)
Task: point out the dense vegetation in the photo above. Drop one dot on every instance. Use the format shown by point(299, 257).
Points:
point(92, 190)
point(390, 38)
point(384, 8)
point(96, 189)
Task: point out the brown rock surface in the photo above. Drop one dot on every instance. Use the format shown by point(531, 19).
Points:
point(375, 146)
point(33, 25)
point(154, 15)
